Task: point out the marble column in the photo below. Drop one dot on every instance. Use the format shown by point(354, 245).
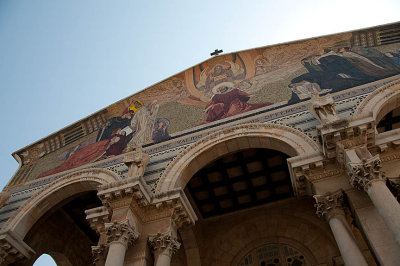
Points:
point(367, 176)
point(164, 245)
point(330, 207)
point(119, 236)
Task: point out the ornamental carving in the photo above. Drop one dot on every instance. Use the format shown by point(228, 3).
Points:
point(136, 162)
point(121, 232)
point(99, 253)
point(329, 204)
point(164, 242)
point(9, 253)
point(363, 173)
point(323, 108)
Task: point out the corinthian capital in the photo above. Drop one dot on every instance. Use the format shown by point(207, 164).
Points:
point(364, 173)
point(121, 232)
point(164, 242)
point(329, 204)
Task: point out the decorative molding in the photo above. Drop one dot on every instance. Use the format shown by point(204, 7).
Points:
point(329, 205)
point(164, 242)
point(364, 173)
point(345, 134)
point(122, 192)
point(121, 232)
point(131, 193)
point(13, 249)
point(99, 176)
point(97, 217)
point(378, 98)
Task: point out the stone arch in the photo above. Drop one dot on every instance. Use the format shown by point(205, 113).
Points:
point(271, 136)
point(52, 195)
point(381, 101)
point(292, 222)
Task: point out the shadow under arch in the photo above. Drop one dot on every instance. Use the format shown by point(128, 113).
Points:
point(53, 194)
point(381, 101)
point(270, 136)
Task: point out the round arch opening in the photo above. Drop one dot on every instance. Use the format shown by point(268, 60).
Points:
point(63, 231)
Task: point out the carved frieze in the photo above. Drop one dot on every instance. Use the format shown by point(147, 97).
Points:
point(131, 193)
point(329, 204)
point(123, 192)
point(121, 232)
point(164, 242)
point(346, 133)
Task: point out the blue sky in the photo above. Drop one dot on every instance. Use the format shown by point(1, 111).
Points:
point(63, 60)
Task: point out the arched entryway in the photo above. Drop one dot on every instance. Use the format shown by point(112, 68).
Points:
point(53, 220)
point(238, 182)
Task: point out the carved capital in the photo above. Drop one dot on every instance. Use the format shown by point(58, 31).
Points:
point(121, 232)
point(364, 173)
point(99, 254)
point(164, 242)
point(329, 205)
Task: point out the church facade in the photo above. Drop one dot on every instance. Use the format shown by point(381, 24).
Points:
point(280, 155)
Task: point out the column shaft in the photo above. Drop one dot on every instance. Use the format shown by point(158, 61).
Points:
point(116, 254)
point(387, 206)
point(162, 258)
point(349, 249)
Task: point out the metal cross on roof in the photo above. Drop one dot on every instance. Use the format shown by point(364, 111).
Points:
point(216, 52)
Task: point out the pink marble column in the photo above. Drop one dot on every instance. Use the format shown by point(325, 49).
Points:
point(330, 207)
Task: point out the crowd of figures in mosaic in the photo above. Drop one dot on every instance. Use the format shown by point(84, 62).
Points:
point(220, 88)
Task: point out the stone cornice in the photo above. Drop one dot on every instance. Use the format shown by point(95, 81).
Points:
point(97, 217)
point(13, 249)
point(346, 133)
point(132, 193)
